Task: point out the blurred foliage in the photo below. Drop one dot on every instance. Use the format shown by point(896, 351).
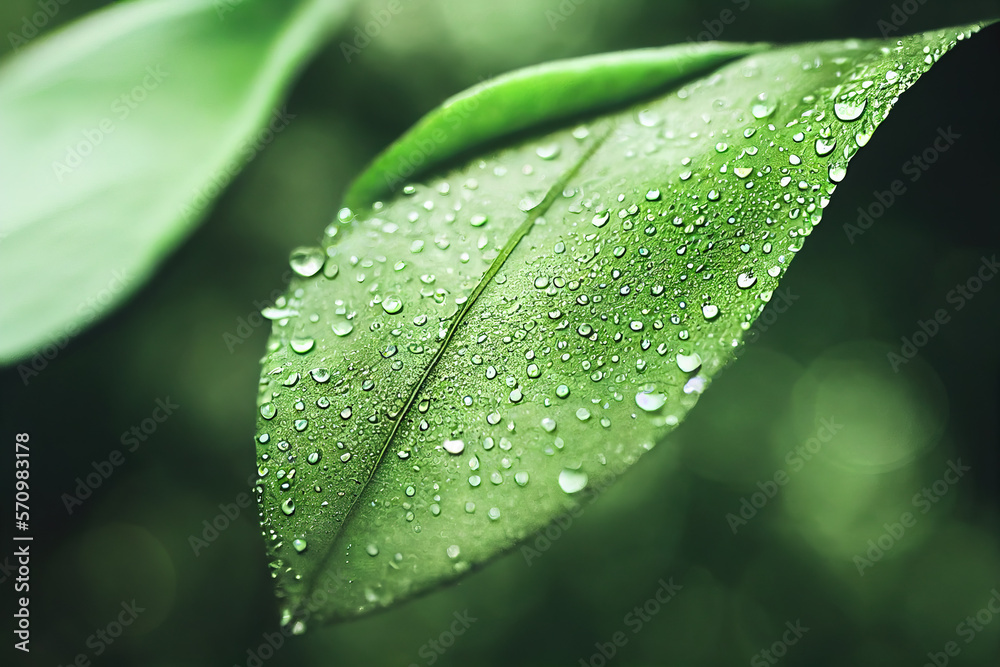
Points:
point(824, 357)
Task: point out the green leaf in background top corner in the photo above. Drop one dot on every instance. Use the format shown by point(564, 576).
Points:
point(488, 349)
point(118, 132)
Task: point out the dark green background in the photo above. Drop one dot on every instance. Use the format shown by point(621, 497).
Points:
point(793, 561)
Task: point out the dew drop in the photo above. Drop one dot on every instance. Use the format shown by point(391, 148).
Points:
point(548, 151)
point(571, 481)
point(299, 545)
point(454, 446)
point(763, 106)
point(342, 328)
point(825, 146)
point(392, 304)
point(306, 261)
point(837, 173)
point(850, 110)
point(288, 506)
point(650, 402)
point(689, 362)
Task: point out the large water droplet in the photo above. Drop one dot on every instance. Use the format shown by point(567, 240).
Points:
point(571, 481)
point(689, 362)
point(850, 110)
point(825, 146)
point(306, 261)
point(302, 345)
point(342, 328)
point(763, 106)
point(837, 173)
point(392, 304)
point(548, 151)
point(650, 402)
point(454, 446)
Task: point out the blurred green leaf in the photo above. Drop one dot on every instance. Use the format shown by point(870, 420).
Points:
point(119, 131)
point(475, 358)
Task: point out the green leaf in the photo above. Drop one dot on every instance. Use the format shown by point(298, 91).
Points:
point(119, 131)
point(463, 364)
point(525, 98)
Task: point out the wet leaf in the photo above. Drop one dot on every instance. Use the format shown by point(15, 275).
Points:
point(463, 363)
point(125, 126)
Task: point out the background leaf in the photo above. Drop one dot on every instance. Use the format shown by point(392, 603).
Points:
point(120, 130)
point(479, 356)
